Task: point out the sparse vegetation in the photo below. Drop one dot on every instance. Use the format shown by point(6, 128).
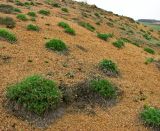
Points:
point(104, 88)
point(63, 25)
point(149, 60)
point(56, 45)
point(33, 14)
point(8, 21)
point(44, 12)
point(17, 10)
point(109, 67)
point(119, 43)
point(7, 9)
point(149, 50)
point(151, 116)
point(22, 17)
point(65, 10)
point(104, 36)
point(70, 31)
point(87, 26)
point(36, 94)
point(147, 36)
point(56, 5)
point(7, 35)
point(33, 27)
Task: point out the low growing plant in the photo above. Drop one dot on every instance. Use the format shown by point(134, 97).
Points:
point(87, 26)
point(119, 43)
point(149, 60)
point(22, 17)
point(70, 31)
point(44, 12)
point(7, 35)
point(151, 116)
point(104, 36)
point(33, 14)
point(108, 67)
point(33, 27)
point(65, 10)
point(104, 88)
point(63, 25)
point(35, 94)
point(8, 21)
point(149, 50)
point(56, 45)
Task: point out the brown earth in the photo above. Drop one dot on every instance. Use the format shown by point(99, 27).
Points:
point(136, 78)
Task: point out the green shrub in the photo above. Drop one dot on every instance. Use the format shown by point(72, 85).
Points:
point(33, 19)
point(17, 10)
point(108, 67)
point(87, 26)
point(104, 36)
point(56, 44)
point(19, 3)
point(8, 21)
point(151, 116)
point(33, 14)
point(7, 9)
point(118, 43)
point(149, 50)
point(33, 27)
point(56, 5)
point(63, 25)
point(149, 60)
point(147, 36)
point(96, 14)
point(64, 9)
point(70, 31)
point(22, 17)
point(44, 12)
point(36, 94)
point(104, 88)
point(7, 35)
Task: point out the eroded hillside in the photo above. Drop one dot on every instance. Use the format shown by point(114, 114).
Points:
point(133, 47)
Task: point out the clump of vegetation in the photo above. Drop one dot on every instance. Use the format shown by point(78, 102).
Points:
point(119, 43)
point(7, 9)
point(22, 17)
point(104, 88)
point(44, 12)
point(151, 116)
point(56, 45)
point(17, 10)
point(65, 10)
point(63, 25)
point(33, 14)
point(87, 26)
point(33, 27)
point(36, 94)
point(109, 67)
point(96, 14)
point(149, 50)
point(147, 36)
point(8, 21)
point(7, 35)
point(56, 5)
point(70, 31)
point(104, 36)
point(149, 60)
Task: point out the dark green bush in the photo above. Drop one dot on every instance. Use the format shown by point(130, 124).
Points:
point(17, 10)
point(63, 25)
point(149, 60)
point(22, 17)
point(8, 21)
point(149, 50)
point(104, 36)
point(33, 27)
point(44, 12)
point(56, 44)
point(96, 14)
point(147, 36)
point(7, 9)
point(87, 26)
point(151, 116)
point(64, 9)
point(119, 43)
point(104, 88)
point(33, 14)
point(70, 31)
point(108, 67)
point(36, 94)
point(7, 35)
point(56, 5)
